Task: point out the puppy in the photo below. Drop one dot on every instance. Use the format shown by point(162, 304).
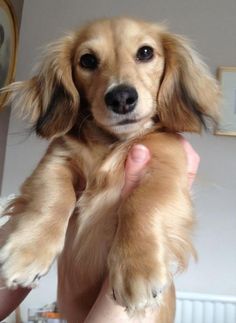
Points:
point(97, 92)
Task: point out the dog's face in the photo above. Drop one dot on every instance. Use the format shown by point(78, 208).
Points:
point(118, 66)
point(127, 74)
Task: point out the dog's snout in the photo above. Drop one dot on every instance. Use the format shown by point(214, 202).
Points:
point(121, 99)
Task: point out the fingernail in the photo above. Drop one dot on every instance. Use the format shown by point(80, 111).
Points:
point(139, 153)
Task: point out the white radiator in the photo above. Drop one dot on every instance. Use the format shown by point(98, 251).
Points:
point(202, 308)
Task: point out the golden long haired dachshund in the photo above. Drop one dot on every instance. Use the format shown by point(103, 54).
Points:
point(97, 92)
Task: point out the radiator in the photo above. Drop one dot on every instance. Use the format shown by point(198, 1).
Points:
point(202, 308)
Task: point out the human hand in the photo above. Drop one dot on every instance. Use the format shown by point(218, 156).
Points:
point(10, 299)
point(193, 160)
point(139, 156)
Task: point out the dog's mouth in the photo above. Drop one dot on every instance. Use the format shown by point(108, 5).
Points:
point(127, 121)
point(131, 126)
point(132, 121)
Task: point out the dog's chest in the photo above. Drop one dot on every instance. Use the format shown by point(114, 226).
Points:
point(98, 206)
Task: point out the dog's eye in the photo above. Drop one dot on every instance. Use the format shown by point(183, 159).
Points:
point(88, 61)
point(144, 54)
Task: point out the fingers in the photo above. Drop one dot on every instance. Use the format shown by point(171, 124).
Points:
point(193, 160)
point(137, 159)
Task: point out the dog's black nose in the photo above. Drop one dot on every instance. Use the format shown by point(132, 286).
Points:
point(121, 99)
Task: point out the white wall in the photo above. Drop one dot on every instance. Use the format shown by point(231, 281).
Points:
point(211, 24)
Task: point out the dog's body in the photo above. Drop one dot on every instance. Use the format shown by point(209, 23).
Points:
point(115, 83)
point(91, 231)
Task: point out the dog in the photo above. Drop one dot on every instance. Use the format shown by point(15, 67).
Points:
point(96, 93)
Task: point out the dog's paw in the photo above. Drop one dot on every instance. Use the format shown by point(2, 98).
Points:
point(137, 285)
point(25, 258)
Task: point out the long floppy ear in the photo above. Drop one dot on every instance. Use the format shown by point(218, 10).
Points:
point(188, 94)
point(50, 98)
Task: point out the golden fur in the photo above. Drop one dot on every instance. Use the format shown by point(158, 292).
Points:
point(136, 240)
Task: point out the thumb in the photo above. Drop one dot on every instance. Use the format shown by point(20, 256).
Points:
point(138, 157)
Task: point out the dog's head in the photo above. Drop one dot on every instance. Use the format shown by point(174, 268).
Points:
point(126, 73)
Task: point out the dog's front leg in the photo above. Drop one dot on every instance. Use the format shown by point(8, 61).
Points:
point(154, 231)
point(35, 233)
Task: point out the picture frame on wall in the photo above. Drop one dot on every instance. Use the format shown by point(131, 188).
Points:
point(8, 45)
point(227, 80)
